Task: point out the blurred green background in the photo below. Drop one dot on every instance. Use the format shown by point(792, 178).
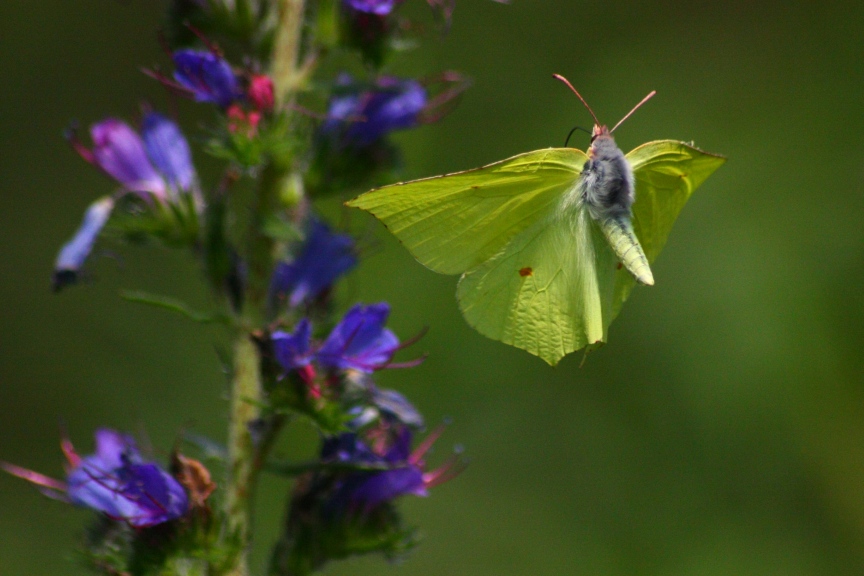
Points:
point(721, 430)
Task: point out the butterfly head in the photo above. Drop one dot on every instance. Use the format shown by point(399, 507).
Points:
point(602, 142)
point(600, 132)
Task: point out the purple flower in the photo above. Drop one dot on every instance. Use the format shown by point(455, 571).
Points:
point(347, 448)
point(394, 407)
point(378, 7)
point(360, 341)
point(373, 489)
point(168, 149)
point(120, 152)
point(115, 481)
point(403, 474)
point(323, 258)
point(74, 253)
point(405, 477)
point(157, 163)
point(207, 76)
point(293, 350)
point(362, 117)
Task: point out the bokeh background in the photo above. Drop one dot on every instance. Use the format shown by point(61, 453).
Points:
point(721, 430)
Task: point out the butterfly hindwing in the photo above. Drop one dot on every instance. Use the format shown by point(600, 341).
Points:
point(550, 292)
point(666, 173)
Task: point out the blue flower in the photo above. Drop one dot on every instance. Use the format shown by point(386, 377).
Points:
point(74, 253)
point(169, 151)
point(403, 471)
point(394, 407)
point(115, 481)
point(362, 117)
point(382, 405)
point(207, 77)
point(378, 7)
point(370, 490)
point(157, 164)
point(293, 350)
point(323, 257)
point(119, 151)
point(360, 341)
point(347, 448)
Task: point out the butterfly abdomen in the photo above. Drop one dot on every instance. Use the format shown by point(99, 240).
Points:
point(622, 238)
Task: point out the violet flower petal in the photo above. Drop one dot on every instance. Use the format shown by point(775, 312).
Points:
point(119, 151)
point(365, 489)
point(324, 257)
point(360, 340)
point(395, 106)
point(370, 490)
point(348, 448)
point(156, 496)
point(141, 494)
point(394, 405)
point(74, 253)
point(362, 118)
point(168, 150)
point(400, 449)
point(116, 482)
point(209, 77)
point(293, 350)
point(114, 449)
point(379, 7)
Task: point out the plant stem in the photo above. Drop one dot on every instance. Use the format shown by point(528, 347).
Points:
point(245, 397)
point(246, 388)
point(286, 49)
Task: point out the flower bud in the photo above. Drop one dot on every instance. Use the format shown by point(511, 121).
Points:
point(260, 92)
point(207, 76)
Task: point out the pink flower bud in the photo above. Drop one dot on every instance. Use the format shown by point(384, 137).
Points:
point(260, 92)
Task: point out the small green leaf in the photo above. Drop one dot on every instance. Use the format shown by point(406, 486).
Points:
point(174, 305)
point(279, 229)
point(210, 449)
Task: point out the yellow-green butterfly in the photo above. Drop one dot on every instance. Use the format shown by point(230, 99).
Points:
point(549, 243)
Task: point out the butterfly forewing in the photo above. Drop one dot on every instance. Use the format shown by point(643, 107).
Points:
point(456, 222)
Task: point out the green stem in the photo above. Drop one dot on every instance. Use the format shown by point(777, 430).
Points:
point(246, 389)
point(245, 401)
point(286, 49)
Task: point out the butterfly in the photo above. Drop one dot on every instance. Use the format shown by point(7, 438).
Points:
point(549, 243)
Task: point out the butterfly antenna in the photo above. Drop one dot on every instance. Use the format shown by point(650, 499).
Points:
point(567, 140)
point(567, 82)
point(645, 99)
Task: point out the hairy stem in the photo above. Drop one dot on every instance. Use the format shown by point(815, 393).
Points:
point(245, 395)
point(246, 389)
point(286, 50)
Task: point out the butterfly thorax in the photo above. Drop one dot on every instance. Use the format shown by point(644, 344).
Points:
point(606, 184)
